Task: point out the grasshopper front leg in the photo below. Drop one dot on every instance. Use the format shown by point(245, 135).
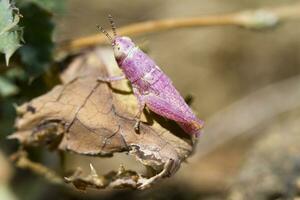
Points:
point(141, 102)
point(111, 79)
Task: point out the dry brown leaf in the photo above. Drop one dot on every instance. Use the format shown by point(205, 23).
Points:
point(93, 118)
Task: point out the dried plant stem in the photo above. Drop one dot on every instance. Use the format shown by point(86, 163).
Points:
point(255, 19)
point(22, 161)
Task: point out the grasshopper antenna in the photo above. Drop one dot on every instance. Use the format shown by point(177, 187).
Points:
point(105, 33)
point(113, 25)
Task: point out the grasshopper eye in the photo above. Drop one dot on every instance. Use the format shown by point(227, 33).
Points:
point(127, 39)
point(119, 53)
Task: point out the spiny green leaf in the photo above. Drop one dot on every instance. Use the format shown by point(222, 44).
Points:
point(10, 32)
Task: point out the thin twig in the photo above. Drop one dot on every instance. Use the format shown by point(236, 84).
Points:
point(255, 19)
point(22, 161)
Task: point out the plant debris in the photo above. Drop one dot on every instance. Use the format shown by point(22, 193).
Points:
point(97, 119)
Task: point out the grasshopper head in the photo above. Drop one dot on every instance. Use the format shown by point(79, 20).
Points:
point(122, 46)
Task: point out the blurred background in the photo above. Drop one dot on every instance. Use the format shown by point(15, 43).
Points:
point(245, 84)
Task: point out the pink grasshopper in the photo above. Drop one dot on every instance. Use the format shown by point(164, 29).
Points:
point(150, 84)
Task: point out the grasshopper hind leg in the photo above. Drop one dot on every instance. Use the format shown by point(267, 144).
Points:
point(187, 121)
point(194, 127)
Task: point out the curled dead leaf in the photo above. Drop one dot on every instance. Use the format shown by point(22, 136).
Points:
point(93, 118)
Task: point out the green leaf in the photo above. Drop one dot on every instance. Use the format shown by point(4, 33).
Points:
point(10, 32)
point(7, 88)
point(37, 52)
